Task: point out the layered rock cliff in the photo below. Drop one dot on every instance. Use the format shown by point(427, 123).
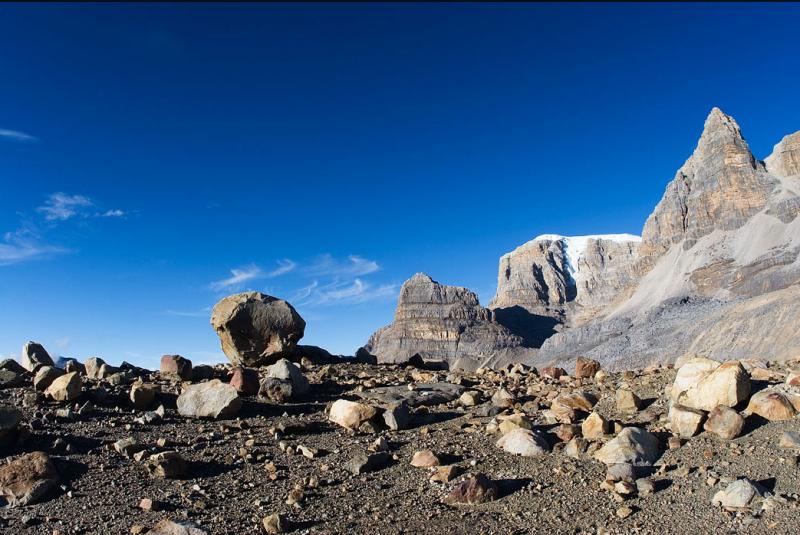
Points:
point(566, 278)
point(442, 323)
point(716, 273)
point(717, 267)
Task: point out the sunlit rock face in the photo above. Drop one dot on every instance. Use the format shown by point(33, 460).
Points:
point(715, 274)
point(441, 323)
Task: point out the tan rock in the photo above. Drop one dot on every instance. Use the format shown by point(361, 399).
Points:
point(142, 395)
point(727, 385)
point(514, 421)
point(350, 414)
point(595, 426)
point(627, 401)
point(212, 399)
point(684, 421)
point(28, 478)
point(424, 459)
point(65, 388)
point(724, 422)
point(445, 474)
point(586, 368)
point(773, 406)
point(790, 440)
point(502, 398)
point(633, 445)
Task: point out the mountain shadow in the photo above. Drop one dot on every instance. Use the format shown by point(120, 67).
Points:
point(534, 329)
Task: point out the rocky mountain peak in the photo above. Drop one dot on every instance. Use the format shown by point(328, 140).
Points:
point(718, 188)
point(719, 125)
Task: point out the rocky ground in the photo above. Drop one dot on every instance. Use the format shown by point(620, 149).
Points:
point(294, 458)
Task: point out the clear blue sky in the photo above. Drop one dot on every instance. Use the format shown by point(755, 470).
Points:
point(326, 153)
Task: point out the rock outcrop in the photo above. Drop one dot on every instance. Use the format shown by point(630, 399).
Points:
point(443, 323)
point(256, 329)
point(716, 273)
point(568, 279)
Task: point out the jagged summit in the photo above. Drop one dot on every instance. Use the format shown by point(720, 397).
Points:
point(716, 272)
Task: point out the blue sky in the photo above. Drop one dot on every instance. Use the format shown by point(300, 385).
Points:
point(154, 158)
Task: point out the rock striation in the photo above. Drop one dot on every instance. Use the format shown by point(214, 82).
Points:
point(716, 272)
point(565, 278)
point(443, 323)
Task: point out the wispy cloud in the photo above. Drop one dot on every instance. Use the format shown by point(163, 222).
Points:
point(16, 135)
point(60, 206)
point(244, 274)
point(25, 244)
point(354, 266)
point(238, 277)
point(338, 292)
point(113, 213)
point(284, 266)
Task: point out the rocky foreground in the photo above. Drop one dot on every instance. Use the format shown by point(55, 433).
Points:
point(347, 447)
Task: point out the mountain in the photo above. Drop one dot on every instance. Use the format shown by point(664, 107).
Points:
point(717, 269)
point(715, 273)
point(443, 323)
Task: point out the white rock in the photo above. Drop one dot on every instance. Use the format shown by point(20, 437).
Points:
point(523, 442)
point(633, 445)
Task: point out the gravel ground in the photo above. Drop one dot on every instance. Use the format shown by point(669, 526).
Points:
point(229, 489)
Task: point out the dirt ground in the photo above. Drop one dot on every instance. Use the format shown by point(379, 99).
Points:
point(229, 489)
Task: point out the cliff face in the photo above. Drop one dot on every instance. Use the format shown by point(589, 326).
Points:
point(566, 278)
point(715, 273)
point(717, 266)
point(443, 323)
point(719, 187)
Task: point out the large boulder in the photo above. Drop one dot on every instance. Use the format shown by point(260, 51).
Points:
point(771, 405)
point(35, 355)
point(45, 376)
point(255, 328)
point(706, 384)
point(27, 479)
point(65, 388)
point(213, 399)
point(96, 368)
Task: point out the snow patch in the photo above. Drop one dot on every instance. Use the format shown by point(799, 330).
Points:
point(575, 246)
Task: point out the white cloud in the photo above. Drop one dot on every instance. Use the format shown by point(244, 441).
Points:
point(251, 272)
point(16, 135)
point(354, 266)
point(284, 266)
point(338, 292)
point(24, 244)
point(60, 206)
point(238, 277)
